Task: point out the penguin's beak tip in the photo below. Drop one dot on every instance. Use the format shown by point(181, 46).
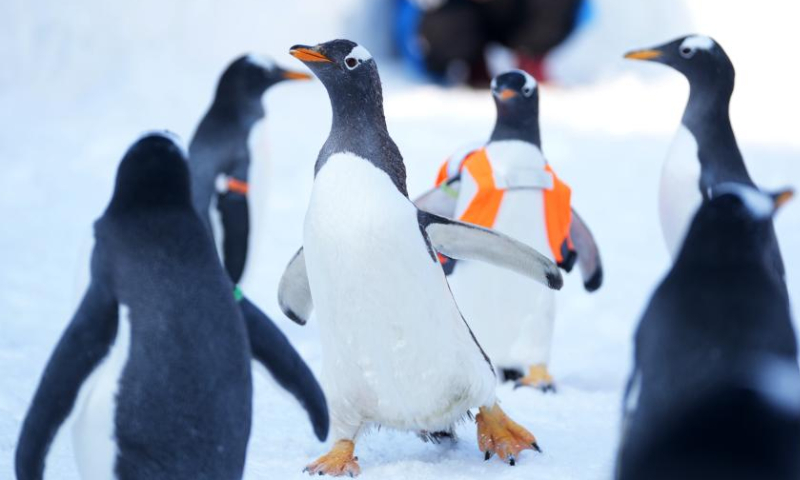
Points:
point(784, 197)
point(289, 75)
point(504, 94)
point(647, 54)
point(308, 54)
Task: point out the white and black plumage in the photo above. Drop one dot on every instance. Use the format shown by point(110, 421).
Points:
point(704, 153)
point(225, 146)
point(396, 349)
point(156, 362)
point(715, 391)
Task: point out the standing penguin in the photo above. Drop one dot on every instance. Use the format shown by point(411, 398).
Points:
point(508, 186)
point(159, 349)
point(716, 348)
point(223, 148)
point(396, 350)
point(704, 152)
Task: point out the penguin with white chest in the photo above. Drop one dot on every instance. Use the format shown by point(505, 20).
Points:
point(156, 362)
point(396, 350)
point(715, 391)
point(227, 142)
point(704, 152)
point(508, 186)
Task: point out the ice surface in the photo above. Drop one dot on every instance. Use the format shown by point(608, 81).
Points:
point(78, 86)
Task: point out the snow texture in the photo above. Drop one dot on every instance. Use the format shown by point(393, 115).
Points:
point(79, 84)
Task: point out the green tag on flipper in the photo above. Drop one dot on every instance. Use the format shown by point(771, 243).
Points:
point(237, 293)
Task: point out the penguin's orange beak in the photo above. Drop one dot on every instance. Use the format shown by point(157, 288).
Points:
point(648, 54)
point(506, 94)
point(289, 75)
point(782, 198)
point(308, 54)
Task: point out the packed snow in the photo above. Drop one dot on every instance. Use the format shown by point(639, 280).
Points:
point(78, 86)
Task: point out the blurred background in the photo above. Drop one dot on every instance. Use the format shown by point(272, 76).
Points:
point(79, 81)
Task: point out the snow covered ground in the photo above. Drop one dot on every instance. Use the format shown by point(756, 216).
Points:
point(79, 85)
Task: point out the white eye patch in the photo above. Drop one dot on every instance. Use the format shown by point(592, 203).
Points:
point(356, 57)
point(698, 42)
point(261, 61)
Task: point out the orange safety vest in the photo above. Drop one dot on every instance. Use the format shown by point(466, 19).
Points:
point(482, 209)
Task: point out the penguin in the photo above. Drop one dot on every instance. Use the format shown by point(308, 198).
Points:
point(156, 362)
point(704, 152)
point(396, 350)
point(707, 349)
point(226, 143)
point(507, 185)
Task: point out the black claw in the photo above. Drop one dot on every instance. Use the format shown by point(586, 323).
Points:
point(487, 456)
point(511, 461)
point(321, 473)
point(536, 447)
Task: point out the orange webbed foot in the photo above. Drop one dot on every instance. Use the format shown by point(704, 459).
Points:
point(338, 462)
point(498, 434)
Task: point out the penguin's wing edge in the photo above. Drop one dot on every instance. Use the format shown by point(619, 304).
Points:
point(441, 200)
point(272, 349)
point(294, 292)
point(83, 345)
point(464, 241)
point(588, 254)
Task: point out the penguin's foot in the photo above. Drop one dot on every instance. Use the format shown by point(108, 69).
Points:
point(498, 434)
point(338, 462)
point(538, 377)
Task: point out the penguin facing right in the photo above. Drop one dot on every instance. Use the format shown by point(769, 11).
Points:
point(156, 362)
point(707, 348)
point(223, 149)
point(704, 153)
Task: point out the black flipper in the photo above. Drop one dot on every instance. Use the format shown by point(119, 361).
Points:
point(271, 348)
point(235, 216)
point(85, 342)
point(588, 254)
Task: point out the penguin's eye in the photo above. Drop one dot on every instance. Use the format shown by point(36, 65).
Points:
point(687, 52)
point(527, 91)
point(351, 62)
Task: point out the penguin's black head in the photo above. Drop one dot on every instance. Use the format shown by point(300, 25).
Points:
point(699, 58)
point(746, 204)
point(249, 76)
point(347, 69)
point(152, 174)
point(734, 224)
point(516, 95)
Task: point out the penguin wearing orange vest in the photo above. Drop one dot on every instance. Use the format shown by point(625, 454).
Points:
point(507, 185)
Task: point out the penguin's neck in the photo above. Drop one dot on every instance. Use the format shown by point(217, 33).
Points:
point(246, 111)
point(524, 128)
point(359, 127)
point(708, 107)
point(707, 118)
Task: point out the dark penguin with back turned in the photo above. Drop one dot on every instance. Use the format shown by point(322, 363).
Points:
point(716, 355)
point(220, 153)
point(396, 350)
point(704, 153)
point(156, 362)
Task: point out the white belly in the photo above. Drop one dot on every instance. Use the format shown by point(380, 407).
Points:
point(93, 431)
point(396, 349)
point(679, 192)
point(512, 316)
